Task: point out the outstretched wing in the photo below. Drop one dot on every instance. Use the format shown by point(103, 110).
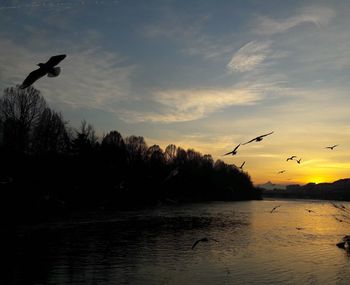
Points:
point(32, 77)
point(54, 60)
point(242, 165)
point(265, 135)
point(236, 148)
point(275, 208)
point(250, 141)
point(331, 147)
point(195, 243)
point(233, 150)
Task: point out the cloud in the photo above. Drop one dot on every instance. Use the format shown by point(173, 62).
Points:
point(193, 104)
point(311, 15)
point(93, 79)
point(90, 78)
point(46, 4)
point(249, 56)
point(189, 33)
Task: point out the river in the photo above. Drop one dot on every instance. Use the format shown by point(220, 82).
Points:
point(251, 246)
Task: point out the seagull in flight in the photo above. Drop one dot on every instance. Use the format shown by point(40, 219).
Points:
point(257, 139)
point(331, 147)
point(274, 208)
point(282, 171)
point(298, 161)
point(234, 151)
point(205, 239)
point(44, 68)
point(241, 167)
point(310, 211)
point(340, 220)
point(291, 158)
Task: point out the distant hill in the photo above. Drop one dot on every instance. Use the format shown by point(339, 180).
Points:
point(271, 186)
point(337, 190)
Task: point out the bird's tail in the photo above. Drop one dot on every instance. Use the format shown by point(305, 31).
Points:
point(55, 71)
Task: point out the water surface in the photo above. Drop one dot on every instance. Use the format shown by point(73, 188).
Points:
point(154, 246)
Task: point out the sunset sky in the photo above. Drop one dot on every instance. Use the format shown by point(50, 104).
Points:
point(199, 74)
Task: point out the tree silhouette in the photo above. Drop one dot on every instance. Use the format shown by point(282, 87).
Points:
point(53, 169)
point(113, 149)
point(20, 112)
point(136, 148)
point(170, 153)
point(85, 141)
point(50, 134)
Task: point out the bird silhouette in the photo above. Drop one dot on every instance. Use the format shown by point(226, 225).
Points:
point(241, 167)
point(310, 211)
point(291, 158)
point(44, 68)
point(340, 220)
point(274, 208)
point(341, 207)
point(234, 151)
point(298, 161)
point(205, 239)
point(257, 139)
point(282, 171)
point(331, 147)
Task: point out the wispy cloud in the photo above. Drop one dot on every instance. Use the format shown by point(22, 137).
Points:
point(193, 104)
point(313, 15)
point(189, 33)
point(249, 56)
point(93, 79)
point(90, 78)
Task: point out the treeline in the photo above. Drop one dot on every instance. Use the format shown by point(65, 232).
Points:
point(48, 166)
point(337, 190)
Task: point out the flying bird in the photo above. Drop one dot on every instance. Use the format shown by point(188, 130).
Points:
point(241, 167)
point(291, 158)
point(341, 207)
point(44, 68)
point(331, 147)
point(340, 220)
point(274, 208)
point(298, 161)
point(257, 139)
point(234, 151)
point(282, 171)
point(310, 211)
point(205, 239)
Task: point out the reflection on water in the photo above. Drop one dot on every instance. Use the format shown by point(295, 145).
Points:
point(154, 246)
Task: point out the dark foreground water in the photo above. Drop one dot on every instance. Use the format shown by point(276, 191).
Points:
point(154, 246)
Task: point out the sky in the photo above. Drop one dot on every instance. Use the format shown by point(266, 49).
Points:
point(199, 74)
